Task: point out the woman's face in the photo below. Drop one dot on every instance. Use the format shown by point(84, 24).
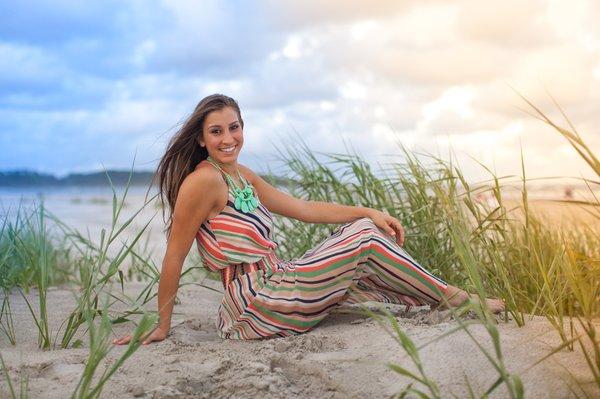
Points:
point(222, 135)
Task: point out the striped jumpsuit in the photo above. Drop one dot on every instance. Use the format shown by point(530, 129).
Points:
point(269, 297)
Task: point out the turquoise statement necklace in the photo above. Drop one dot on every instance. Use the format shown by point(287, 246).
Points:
point(244, 199)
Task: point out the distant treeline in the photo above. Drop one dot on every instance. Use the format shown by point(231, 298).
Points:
point(21, 178)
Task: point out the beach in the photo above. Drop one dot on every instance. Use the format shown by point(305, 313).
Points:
point(468, 132)
point(344, 356)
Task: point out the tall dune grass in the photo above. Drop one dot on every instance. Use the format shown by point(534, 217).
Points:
point(504, 249)
point(36, 257)
point(91, 384)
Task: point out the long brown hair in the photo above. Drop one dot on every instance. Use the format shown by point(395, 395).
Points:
point(184, 151)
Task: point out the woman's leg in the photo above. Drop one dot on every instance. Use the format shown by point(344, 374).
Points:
point(385, 271)
point(373, 266)
point(356, 263)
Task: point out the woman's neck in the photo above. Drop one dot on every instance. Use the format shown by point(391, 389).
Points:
point(231, 169)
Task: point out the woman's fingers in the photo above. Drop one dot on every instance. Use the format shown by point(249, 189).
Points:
point(390, 229)
point(127, 339)
point(123, 340)
point(395, 230)
point(154, 335)
point(149, 338)
point(391, 226)
point(400, 232)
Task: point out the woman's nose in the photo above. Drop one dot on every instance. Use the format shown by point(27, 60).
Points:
point(228, 137)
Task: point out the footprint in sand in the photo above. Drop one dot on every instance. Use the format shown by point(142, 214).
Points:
point(308, 379)
point(64, 369)
point(308, 343)
point(194, 332)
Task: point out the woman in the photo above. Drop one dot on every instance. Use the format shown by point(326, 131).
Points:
point(226, 207)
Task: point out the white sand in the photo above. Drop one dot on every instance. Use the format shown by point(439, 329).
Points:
point(342, 357)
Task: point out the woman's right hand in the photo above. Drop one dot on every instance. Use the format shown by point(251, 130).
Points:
point(156, 335)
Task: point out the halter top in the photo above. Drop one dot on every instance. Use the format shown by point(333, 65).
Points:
point(234, 242)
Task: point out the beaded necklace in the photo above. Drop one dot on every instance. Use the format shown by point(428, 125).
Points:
point(244, 199)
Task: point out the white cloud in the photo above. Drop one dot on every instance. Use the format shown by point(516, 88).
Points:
point(311, 13)
point(511, 23)
point(427, 73)
point(28, 65)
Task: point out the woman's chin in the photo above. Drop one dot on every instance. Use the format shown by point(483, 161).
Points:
point(227, 158)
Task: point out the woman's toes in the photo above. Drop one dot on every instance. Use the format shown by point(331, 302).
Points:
point(495, 305)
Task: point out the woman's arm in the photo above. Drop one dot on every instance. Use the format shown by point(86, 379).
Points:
point(197, 196)
point(318, 211)
point(307, 211)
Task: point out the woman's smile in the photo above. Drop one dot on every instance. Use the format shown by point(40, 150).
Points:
point(229, 149)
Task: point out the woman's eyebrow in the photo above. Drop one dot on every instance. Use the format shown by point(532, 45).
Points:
point(231, 123)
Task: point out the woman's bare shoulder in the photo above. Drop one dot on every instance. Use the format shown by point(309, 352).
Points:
point(202, 181)
point(247, 173)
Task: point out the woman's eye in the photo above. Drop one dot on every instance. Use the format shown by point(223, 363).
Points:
point(234, 127)
point(215, 131)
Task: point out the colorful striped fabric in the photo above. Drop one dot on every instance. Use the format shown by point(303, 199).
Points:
point(269, 297)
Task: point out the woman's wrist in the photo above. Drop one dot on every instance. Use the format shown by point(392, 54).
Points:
point(164, 325)
point(162, 329)
point(367, 212)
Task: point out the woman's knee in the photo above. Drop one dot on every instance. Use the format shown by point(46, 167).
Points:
point(364, 227)
point(364, 223)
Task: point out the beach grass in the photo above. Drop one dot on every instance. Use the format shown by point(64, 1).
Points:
point(91, 382)
point(496, 248)
point(500, 248)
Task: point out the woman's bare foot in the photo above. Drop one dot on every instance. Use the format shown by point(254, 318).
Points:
point(455, 297)
point(495, 305)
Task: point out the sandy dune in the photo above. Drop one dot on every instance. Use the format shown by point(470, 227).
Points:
point(342, 357)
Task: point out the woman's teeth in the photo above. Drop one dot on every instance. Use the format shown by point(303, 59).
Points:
point(228, 149)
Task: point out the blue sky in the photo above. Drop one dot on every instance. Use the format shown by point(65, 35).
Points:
point(84, 85)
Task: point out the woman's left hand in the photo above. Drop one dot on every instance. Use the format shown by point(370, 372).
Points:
point(389, 224)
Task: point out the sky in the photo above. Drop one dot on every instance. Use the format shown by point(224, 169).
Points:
point(88, 85)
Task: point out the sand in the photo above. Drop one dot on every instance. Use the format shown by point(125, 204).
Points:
point(344, 356)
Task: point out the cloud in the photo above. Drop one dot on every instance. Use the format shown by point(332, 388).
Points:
point(503, 23)
point(295, 16)
point(24, 66)
point(82, 79)
point(217, 39)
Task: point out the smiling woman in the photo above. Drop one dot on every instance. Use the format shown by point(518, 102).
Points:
point(224, 137)
point(226, 208)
